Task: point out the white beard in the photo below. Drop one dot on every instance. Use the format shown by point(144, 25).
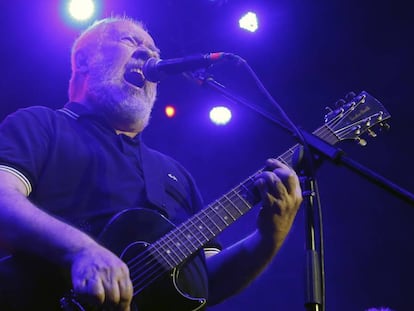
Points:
point(125, 107)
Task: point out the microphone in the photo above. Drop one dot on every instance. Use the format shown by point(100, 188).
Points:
point(155, 69)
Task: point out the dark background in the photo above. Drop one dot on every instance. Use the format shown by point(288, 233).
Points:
point(308, 54)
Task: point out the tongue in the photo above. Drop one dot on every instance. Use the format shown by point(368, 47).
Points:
point(134, 78)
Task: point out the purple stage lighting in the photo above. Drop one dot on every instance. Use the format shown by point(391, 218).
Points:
point(249, 22)
point(81, 10)
point(220, 115)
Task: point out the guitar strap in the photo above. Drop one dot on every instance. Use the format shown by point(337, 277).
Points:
point(154, 170)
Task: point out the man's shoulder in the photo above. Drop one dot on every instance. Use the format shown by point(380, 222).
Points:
point(34, 111)
point(31, 115)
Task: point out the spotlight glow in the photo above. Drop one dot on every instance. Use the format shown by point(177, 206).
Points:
point(220, 115)
point(170, 111)
point(81, 10)
point(249, 22)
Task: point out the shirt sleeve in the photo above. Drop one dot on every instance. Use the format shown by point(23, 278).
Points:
point(24, 141)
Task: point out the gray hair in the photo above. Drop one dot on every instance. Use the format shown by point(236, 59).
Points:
point(83, 41)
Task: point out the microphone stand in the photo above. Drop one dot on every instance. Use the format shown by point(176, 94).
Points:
point(322, 148)
point(313, 148)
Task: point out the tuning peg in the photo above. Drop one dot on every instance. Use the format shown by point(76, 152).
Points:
point(350, 96)
point(357, 129)
point(371, 133)
point(380, 116)
point(328, 109)
point(362, 142)
point(339, 103)
point(385, 126)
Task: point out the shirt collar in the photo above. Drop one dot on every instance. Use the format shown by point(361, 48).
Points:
point(77, 110)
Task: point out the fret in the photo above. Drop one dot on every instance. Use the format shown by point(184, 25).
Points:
point(225, 217)
point(189, 235)
point(240, 203)
point(177, 244)
point(182, 240)
point(162, 259)
point(232, 204)
point(204, 225)
point(198, 228)
point(283, 161)
point(246, 191)
point(169, 252)
point(245, 203)
point(246, 188)
point(330, 136)
point(286, 158)
point(216, 215)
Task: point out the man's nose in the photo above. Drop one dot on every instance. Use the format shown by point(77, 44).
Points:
point(142, 54)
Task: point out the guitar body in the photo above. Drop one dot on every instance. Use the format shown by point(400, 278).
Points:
point(140, 228)
point(32, 284)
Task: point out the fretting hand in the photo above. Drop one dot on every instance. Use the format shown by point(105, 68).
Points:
point(281, 196)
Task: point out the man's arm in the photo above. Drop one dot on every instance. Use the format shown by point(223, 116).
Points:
point(97, 274)
point(237, 266)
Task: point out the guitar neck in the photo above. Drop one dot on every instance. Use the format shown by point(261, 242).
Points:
point(180, 243)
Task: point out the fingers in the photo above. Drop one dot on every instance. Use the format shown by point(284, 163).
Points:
point(126, 293)
point(271, 188)
point(285, 174)
point(91, 291)
point(101, 278)
point(278, 185)
point(279, 175)
point(281, 196)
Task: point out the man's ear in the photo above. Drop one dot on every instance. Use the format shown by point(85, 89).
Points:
point(81, 61)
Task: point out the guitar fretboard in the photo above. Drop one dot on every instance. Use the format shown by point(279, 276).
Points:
point(346, 122)
point(179, 244)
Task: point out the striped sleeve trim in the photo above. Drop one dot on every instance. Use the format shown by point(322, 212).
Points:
point(20, 176)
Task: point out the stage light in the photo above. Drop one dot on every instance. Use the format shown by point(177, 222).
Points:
point(81, 10)
point(169, 111)
point(220, 115)
point(249, 22)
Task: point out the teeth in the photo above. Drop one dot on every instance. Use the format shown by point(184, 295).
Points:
point(135, 76)
point(138, 70)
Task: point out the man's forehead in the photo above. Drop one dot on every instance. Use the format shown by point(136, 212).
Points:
point(127, 27)
point(116, 30)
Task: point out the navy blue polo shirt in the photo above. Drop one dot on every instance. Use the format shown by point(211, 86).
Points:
point(77, 168)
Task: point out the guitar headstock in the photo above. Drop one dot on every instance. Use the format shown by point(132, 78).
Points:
point(357, 117)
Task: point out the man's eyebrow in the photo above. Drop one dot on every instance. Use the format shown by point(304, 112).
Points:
point(150, 45)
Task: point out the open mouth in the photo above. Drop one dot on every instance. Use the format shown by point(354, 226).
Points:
point(135, 77)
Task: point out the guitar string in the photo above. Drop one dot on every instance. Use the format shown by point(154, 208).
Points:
point(146, 270)
point(151, 274)
point(147, 276)
point(147, 273)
